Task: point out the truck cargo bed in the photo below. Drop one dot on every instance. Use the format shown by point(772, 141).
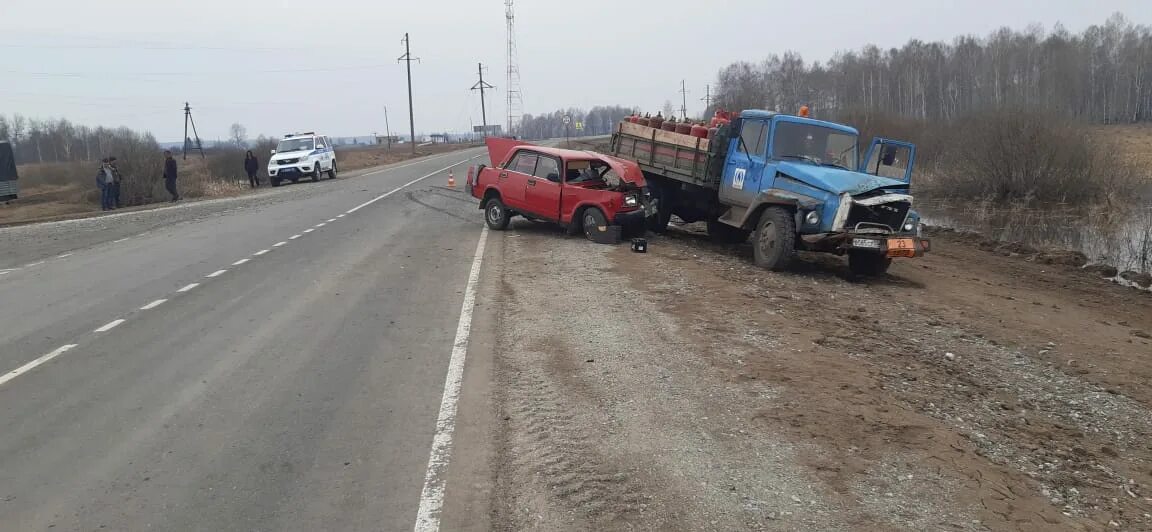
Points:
point(672, 155)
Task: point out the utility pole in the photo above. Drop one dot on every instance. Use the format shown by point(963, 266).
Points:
point(684, 101)
point(387, 128)
point(480, 85)
point(407, 58)
point(188, 120)
point(707, 99)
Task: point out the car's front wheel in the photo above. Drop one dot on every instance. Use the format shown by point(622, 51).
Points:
point(594, 223)
point(275, 181)
point(318, 173)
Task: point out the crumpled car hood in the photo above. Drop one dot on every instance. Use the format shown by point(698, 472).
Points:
point(837, 180)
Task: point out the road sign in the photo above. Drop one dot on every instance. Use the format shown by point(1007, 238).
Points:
point(567, 119)
point(579, 126)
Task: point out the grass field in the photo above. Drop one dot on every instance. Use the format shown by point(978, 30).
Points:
point(1134, 141)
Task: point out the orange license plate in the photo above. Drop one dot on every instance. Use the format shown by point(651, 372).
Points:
point(901, 247)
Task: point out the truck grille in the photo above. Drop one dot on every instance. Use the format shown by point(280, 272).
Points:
point(889, 215)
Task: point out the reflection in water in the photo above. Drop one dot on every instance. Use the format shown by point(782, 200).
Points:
point(1121, 240)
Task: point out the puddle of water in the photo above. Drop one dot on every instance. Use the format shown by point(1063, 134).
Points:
point(1121, 240)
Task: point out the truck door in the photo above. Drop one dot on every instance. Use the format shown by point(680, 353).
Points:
point(741, 179)
point(512, 180)
point(542, 193)
point(890, 158)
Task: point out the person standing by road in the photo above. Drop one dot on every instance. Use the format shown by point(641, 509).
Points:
point(170, 175)
point(116, 180)
point(251, 166)
point(104, 179)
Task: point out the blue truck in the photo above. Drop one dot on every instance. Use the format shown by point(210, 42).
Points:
point(793, 182)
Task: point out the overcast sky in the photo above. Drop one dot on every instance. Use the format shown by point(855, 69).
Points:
point(330, 65)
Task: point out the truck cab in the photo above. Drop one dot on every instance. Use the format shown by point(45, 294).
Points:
point(836, 200)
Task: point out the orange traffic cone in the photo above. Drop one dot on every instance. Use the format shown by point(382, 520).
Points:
point(451, 180)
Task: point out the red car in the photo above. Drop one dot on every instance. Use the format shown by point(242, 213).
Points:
point(582, 190)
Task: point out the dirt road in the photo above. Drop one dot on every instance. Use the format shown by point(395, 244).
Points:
point(684, 389)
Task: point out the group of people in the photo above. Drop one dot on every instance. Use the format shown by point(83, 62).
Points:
point(108, 178)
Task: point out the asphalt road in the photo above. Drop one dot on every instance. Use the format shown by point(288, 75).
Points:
point(296, 388)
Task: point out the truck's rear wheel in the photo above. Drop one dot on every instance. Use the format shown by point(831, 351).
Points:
point(496, 214)
point(775, 244)
point(868, 263)
point(723, 233)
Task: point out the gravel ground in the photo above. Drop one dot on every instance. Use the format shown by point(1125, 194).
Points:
point(686, 389)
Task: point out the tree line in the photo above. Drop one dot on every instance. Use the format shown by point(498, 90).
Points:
point(596, 121)
point(1099, 75)
point(57, 141)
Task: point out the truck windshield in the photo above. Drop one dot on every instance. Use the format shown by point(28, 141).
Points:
point(816, 144)
point(289, 145)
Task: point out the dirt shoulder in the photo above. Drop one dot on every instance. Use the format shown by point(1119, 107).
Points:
point(686, 389)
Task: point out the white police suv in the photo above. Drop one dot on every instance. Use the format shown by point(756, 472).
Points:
point(302, 155)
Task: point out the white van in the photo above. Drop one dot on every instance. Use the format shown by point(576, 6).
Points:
point(300, 155)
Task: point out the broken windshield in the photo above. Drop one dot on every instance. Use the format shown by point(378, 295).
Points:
point(815, 144)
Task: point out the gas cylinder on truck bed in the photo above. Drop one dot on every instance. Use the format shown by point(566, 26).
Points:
point(684, 128)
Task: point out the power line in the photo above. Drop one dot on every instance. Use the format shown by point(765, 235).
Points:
point(205, 73)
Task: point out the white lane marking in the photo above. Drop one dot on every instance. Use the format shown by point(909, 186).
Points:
point(110, 325)
point(309, 230)
point(432, 496)
point(278, 244)
point(294, 237)
point(406, 185)
point(64, 256)
point(341, 215)
point(32, 365)
point(321, 224)
point(154, 304)
point(216, 273)
point(241, 261)
point(189, 287)
point(330, 220)
point(261, 252)
point(119, 241)
point(5, 272)
point(34, 264)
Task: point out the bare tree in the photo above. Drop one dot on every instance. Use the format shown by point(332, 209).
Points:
point(238, 135)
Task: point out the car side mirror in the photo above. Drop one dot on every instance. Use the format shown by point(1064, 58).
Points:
point(273, 152)
point(888, 155)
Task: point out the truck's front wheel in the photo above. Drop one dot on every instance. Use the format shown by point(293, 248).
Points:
point(868, 263)
point(775, 244)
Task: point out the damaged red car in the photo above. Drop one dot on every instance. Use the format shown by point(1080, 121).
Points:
point(588, 192)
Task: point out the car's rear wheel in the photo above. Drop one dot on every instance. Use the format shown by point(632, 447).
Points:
point(332, 171)
point(496, 214)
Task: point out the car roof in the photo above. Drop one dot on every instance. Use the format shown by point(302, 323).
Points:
point(561, 152)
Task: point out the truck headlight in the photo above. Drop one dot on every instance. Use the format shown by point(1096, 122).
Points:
point(813, 218)
point(908, 227)
point(631, 201)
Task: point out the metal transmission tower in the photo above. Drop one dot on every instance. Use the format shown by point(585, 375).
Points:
point(408, 59)
point(683, 101)
point(188, 140)
point(707, 99)
point(480, 86)
point(512, 87)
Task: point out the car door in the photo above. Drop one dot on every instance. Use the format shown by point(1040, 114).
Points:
point(890, 158)
point(513, 178)
point(542, 193)
point(325, 149)
point(741, 180)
